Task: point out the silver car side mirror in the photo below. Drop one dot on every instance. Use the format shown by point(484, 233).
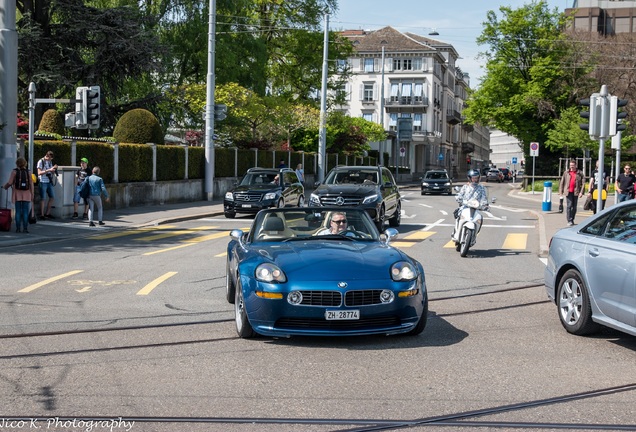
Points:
point(390, 234)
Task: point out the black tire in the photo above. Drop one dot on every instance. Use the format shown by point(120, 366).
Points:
point(230, 215)
point(301, 201)
point(280, 203)
point(243, 326)
point(573, 303)
point(465, 242)
point(230, 287)
point(458, 246)
point(379, 223)
point(421, 324)
point(397, 217)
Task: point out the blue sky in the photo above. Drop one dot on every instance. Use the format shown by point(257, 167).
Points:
point(458, 22)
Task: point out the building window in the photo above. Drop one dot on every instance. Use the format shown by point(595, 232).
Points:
point(417, 64)
point(417, 93)
point(417, 122)
point(367, 116)
point(395, 92)
point(367, 95)
point(407, 64)
point(368, 65)
point(393, 121)
point(406, 94)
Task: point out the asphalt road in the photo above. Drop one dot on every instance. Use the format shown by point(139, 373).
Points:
point(136, 325)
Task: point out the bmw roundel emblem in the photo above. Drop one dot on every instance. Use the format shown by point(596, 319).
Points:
point(342, 285)
point(340, 201)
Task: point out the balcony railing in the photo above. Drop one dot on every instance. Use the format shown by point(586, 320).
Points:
point(453, 116)
point(421, 101)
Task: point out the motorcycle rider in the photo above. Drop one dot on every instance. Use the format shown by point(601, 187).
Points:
point(471, 190)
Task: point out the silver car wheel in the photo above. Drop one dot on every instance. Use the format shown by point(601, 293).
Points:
point(570, 302)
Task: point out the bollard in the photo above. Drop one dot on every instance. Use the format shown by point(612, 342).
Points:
point(547, 196)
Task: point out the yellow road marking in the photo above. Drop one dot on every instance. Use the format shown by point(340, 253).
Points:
point(174, 233)
point(220, 255)
point(419, 235)
point(155, 283)
point(130, 232)
point(48, 281)
point(402, 244)
point(190, 242)
point(515, 241)
point(450, 244)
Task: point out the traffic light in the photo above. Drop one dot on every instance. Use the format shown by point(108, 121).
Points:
point(616, 115)
point(220, 112)
point(80, 113)
point(593, 114)
point(468, 160)
point(91, 104)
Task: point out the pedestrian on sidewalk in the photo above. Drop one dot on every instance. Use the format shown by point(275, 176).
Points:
point(22, 194)
point(80, 176)
point(571, 186)
point(625, 184)
point(95, 199)
point(594, 182)
point(47, 171)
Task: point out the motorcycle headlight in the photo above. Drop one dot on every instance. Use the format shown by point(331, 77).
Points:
point(403, 271)
point(370, 198)
point(314, 199)
point(270, 196)
point(268, 272)
point(229, 196)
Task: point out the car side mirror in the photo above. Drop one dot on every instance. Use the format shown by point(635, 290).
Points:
point(389, 234)
point(238, 235)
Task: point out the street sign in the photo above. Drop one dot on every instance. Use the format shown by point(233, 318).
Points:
point(534, 149)
point(441, 156)
point(514, 160)
point(402, 151)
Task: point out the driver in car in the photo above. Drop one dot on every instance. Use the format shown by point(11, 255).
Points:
point(337, 225)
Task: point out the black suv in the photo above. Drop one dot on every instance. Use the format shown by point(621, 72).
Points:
point(262, 188)
point(370, 187)
point(436, 181)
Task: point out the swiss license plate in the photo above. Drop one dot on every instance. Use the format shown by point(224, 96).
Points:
point(337, 315)
point(246, 205)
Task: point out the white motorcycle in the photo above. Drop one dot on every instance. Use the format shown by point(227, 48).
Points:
point(468, 220)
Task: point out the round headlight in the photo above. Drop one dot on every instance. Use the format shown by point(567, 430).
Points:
point(229, 196)
point(403, 271)
point(386, 296)
point(268, 272)
point(295, 298)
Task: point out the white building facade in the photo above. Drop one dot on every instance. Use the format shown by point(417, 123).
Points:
point(396, 76)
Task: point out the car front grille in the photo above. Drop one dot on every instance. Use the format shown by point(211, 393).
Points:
point(322, 324)
point(334, 298)
point(247, 197)
point(330, 200)
point(321, 298)
point(362, 298)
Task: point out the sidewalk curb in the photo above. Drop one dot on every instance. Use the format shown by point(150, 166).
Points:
point(543, 241)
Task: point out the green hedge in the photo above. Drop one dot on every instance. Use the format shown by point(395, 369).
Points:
point(135, 160)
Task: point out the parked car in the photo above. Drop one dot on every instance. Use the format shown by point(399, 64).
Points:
point(263, 188)
point(436, 181)
point(494, 175)
point(372, 188)
point(591, 272)
point(291, 275)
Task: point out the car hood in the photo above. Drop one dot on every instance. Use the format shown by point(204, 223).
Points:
point(441, 181)
point(333, 259)
point(346, 189)
point(256, 188)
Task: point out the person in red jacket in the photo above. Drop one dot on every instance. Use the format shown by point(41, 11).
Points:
point(571, 186)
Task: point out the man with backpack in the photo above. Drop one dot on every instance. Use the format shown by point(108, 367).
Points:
point(80, 176)
point(22, 195)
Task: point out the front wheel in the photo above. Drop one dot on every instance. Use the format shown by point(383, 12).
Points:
point(230, 215)
point(397, 217)
point(573, 301)
point(230, 287)
point(243, 326)
point(301, 201)
point(379, 223)
point(465, 242)
point(280, 203)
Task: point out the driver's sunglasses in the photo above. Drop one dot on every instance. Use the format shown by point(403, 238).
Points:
point(341, 221)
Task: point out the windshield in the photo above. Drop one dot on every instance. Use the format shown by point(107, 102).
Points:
point(355, 177)
point(436, 175)
point(258, 178)
point(322, 223)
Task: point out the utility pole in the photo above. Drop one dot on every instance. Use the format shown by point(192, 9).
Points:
point(322, 139)
point(8, 91)
point(209, 106)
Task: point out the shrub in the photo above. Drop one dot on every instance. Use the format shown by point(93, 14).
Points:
point(52, 122)
point(138, 126)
